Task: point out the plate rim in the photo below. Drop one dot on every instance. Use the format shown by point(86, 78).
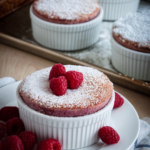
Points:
point(126, 100)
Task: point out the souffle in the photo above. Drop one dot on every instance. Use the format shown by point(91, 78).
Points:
point(92, 95)
point(133, 31)
point(66, 11)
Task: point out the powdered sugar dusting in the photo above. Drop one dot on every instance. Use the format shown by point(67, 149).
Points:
point(92, 90)
point(135, 27)
point(147, 119)
point(66, 9)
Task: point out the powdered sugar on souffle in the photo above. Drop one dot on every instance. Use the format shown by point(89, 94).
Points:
point(66, 9)
point(134, 27)
point(95, 88)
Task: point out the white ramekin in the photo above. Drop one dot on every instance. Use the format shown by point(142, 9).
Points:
point(71, 132)
point(66, 37)
point(129, 62)
point(114, 9)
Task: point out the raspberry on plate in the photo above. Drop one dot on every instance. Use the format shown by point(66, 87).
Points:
point(8, 112)
point(49, 144)
point(56, 71)
point(108, 135)
point(58, 85)
point(2, 130)
point(74, 79)
point(28, 139)
point(118, 100)
point(14, 126)
point(12, 143)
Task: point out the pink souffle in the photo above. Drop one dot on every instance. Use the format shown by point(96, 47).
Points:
point(92, 95)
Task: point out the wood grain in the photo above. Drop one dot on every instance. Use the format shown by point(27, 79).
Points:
point(19, 64)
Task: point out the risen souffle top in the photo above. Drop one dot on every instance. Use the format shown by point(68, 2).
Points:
point(133, 31)
point(66, 11)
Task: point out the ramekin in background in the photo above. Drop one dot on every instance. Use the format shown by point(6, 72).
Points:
point(114, 9)
point(71, 132)
point(129, 62)
point(66, 37)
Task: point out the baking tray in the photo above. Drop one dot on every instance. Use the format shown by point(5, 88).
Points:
point(19, 34)
point(54, 56)
point(98, 54)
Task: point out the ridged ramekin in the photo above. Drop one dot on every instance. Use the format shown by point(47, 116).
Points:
point(114, 9)
point(71, 132)
point(66, 37)
point(129, 62)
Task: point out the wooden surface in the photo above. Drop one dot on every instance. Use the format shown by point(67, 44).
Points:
point(19, 64)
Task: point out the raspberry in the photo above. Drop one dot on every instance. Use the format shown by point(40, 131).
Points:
point(2, 130)
point(58, 85)
point(28, 139)
point(56, 71)
point(8, 112)
point(12, 143)
point(118, 100)
point(49, 144)
point(74, 79)
point(14, 126)
point(108, 135)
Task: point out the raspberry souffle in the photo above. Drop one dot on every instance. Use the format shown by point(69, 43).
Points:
point(70, 91)
point(66, 24)
point(131, 45)
point(66, 11)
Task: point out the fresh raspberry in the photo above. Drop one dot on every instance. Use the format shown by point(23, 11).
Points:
point(108, 135)
point(28, 139)
point(2, 130)
point(56, 71)
point(12, 143)
point(58, 85)
point(14, 126)
point(118, 100)
point(74, 79)
point(49, 144)
point(8, 112)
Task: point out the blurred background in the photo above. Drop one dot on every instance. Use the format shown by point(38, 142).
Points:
point(15, 21)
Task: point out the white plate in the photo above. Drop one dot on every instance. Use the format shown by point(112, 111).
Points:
point(124, 120)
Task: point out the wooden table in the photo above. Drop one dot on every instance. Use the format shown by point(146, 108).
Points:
point(18, 64)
